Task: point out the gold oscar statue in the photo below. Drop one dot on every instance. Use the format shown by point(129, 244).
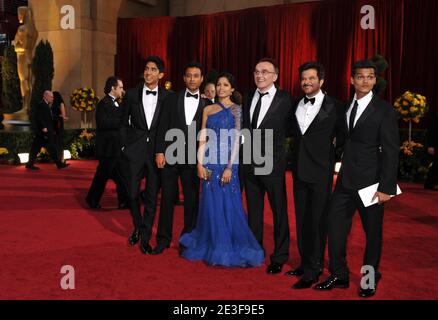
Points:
point(24, 42)
point(168, 85)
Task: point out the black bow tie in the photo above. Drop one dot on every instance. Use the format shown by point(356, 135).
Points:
point(312, 100)
point(189, 95)
point(151, 92)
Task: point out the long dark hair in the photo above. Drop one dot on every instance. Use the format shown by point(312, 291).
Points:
point(57, 99)
point(236, 97)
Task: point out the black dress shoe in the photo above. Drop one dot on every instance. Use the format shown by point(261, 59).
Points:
point(295, 272)
point(304, 284)
point(366, 293)
point(134, 237)
point(159, 249)
point(145, 247)
point(274, 268)
point(93, 204)
point(331, 283)
point(32, 167)
point(123, 206)
point(62, 165)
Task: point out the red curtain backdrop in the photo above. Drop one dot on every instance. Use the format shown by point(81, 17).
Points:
point(327, 31)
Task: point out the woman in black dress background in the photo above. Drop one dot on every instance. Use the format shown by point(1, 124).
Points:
point(59, 116)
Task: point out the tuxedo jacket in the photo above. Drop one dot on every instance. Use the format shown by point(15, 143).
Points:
point(371, 151)
point(108, 124)
point(313, 155)
point(173, 117)
point(137, 139)
point(42, 118)
point(279, 119)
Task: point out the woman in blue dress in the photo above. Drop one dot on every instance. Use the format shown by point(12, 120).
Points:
point(222, 236)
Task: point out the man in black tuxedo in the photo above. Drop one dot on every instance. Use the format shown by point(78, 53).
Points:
point(141, 108)
point(370, 156)
point(108, 145)
point(267, 111)
point(42, 125)
point(432, 150)
point(318, 119)
point(182, 113)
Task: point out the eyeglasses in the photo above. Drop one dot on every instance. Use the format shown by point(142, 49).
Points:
point(263, 72)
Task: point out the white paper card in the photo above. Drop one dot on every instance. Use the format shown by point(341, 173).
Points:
point(367, 194)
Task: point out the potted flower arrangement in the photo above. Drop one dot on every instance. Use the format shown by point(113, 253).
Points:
point(84, 100)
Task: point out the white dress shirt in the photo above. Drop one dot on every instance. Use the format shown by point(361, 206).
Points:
point(362, 104)
point(266, 103)
point(149, 104)
point(306, 113)
point(190, 106)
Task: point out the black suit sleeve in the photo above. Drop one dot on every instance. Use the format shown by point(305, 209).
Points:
point(106, 117)
point(124, 123)
point(390, 143)
point(164, 124)
point(341, 124)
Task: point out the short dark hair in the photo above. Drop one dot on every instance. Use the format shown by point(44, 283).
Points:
point(194, 64)
point(271, 61)
point(112, 81)
point(320, 70)
point(157, 60)
point(363, 64)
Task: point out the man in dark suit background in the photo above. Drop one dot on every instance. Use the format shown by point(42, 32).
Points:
point(370, 156)
point(108, 145)
point(268, 110)
point(183, 113)
point(142, 107)
point(432, 150)
point(42, 125)
point(318, 119)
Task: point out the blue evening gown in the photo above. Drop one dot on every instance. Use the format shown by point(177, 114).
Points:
point(222, 236)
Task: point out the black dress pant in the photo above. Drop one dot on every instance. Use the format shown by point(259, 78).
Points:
point(169, 185)
point(108, 168)
point(134, 172)
point(311, 210)
point(275, 186)
point(342, 208)
point(47, 141)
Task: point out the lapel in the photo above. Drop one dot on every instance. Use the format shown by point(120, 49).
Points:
point(272, 108)
point(247, 110)
point(161, 95)
point(181, 111)
point(198, 114)
point(321, 115)
point(368, 110)
point(140, 105)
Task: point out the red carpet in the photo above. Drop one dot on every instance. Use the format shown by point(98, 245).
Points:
point(44, 225)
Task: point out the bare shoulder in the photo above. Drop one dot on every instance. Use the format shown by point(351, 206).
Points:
point(211, 109)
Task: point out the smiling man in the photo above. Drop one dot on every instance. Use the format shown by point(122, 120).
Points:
point(370, 156)
point(141, 109)
point(318, 121)
point(268, 110)
point(183, 113)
